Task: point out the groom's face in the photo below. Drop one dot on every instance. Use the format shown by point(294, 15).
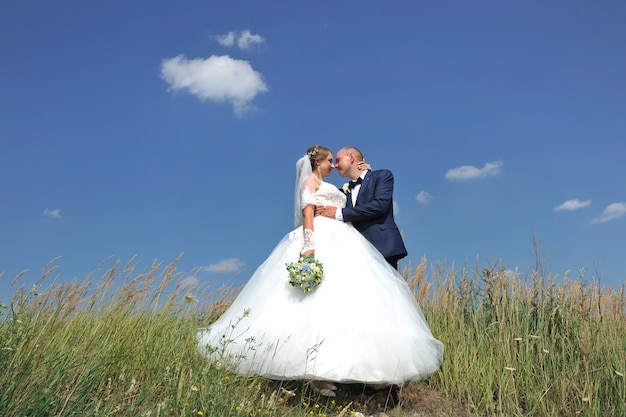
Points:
point(343, 163)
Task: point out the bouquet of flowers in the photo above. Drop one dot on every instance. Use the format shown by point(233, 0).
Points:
point(306, 273)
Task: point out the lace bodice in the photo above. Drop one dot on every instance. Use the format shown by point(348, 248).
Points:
point(327, 194)
point(330, 195)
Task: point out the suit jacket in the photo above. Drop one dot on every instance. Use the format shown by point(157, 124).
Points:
point(373, 214)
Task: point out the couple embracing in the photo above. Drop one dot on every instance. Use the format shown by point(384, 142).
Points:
point(362, 323)
point(369, 204)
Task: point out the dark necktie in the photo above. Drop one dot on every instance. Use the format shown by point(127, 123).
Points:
point(354, 183)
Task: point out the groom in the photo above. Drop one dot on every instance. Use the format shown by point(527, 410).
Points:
point(369, 205)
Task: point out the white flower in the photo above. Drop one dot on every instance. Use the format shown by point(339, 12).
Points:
point(346, 188)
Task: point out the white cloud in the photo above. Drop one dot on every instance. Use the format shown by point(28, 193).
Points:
point(247, 39)
point(574, 204)
point(217, 78)
point(188, 283)
point(225, 265)
point(611, 212)
point(226, 40)
point(55, 214)
point(423, 197)
point(469, 172)
point(244, 39)
point(396, 207)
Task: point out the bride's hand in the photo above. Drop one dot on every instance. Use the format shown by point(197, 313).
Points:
point(362, 165)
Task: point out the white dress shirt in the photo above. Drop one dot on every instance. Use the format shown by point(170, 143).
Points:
point(353, 195)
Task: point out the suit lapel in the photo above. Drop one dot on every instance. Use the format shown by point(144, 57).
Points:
point(364, 186)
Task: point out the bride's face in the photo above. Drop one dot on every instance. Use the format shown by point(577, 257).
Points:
point(326, 166)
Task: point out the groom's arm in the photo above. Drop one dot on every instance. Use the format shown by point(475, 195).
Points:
point(380, 203)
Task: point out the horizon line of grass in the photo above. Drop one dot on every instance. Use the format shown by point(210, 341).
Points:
point(123, 343)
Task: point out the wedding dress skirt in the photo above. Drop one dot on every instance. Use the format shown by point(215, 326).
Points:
point(361, 324)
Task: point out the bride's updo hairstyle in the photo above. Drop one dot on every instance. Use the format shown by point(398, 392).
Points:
point(317, 154)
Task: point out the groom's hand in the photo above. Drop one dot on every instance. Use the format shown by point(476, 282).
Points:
point(326, 211)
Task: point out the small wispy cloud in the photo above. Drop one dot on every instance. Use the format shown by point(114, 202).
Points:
point(396, 207)
point(611, 212)
point(188, 283)
point(243, 39)
point(225, 265)
point(227, 40)
point(574, 204)
point(216, 78)
point(423, 197)
point(469, 172)
point(55, 214)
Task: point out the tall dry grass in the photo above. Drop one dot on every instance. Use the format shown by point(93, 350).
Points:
point(515, 347)
point(121, 342)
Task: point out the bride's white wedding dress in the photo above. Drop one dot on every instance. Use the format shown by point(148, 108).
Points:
point(361, 324)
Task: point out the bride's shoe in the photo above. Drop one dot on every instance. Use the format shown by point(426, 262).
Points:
point(324, 388)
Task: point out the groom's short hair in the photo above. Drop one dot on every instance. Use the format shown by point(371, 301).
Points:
point(354, 151)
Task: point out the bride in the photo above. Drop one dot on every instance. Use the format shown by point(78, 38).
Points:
point(361, 324)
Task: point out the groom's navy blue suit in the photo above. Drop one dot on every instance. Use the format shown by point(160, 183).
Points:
point(373, 215)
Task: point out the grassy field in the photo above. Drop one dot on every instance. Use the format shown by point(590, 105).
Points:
point(121, 342)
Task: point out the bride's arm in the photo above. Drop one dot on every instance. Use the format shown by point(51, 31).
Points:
point(307, 222)
point(308, 213)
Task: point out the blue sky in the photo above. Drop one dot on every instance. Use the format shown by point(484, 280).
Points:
point(156, 129)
